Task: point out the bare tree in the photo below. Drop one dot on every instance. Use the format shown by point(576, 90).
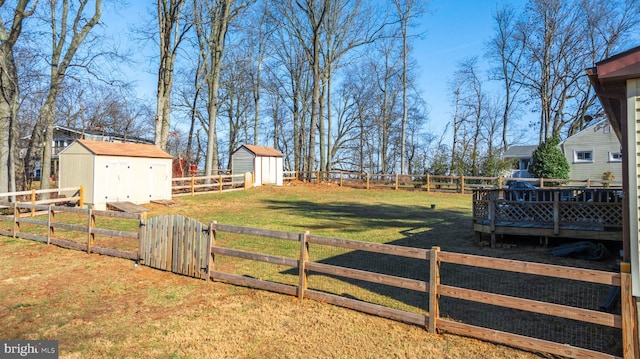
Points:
point(212, 19)
point(70, 26)
point(173, 27)
point(10, 92)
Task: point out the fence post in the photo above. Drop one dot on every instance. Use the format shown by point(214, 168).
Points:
point(212, 244)
point(81, 192)
point(588, 182)
point(33, 201)
point(193, 185)
point(367, 181)
point(500, 182)
point(428, 183)
point(492, 218)
point(302, 270)
point(434, 283)
point(629, 314)
point(220, 182)
point(396, 181)
point(462, 184)
point(16, 214)
point(541, 182)
point(340, 178)
point(49, 227)
point(142, 222)
point(90, 235)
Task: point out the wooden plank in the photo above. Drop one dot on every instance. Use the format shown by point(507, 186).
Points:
point(549, 270)
point(71, 227)
point(31, 221)
point(629, 314)
point(257, 232)
point(534, 306)
point(369, 308)
point(58, 200)
point(70, 209)
point(256, 256)
point(434, 290)
point(115, 253)
point(68, 244)
point(390, 249)
point(519, 341)
point(253, 283)
point(114, 233)
point(385, 279)
point(113, 214)
point(30, 236)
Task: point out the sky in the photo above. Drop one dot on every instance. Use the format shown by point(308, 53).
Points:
point(452, 31)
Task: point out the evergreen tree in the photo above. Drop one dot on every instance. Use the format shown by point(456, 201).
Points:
point(548, 161)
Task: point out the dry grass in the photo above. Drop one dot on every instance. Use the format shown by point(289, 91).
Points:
point(106, 307)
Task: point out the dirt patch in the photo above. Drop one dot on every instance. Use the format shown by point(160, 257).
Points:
point(99, 306)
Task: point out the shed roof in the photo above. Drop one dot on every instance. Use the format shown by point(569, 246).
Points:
point(263, 151)
point(100, 148)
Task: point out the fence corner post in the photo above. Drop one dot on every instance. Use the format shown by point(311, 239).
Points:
point(629, 314)
point(434, 283)
point(304, 257)
point(428, 182)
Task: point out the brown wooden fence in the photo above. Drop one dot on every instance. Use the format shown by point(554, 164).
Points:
point(190, 186)
point(428, 182)
point(432, 280)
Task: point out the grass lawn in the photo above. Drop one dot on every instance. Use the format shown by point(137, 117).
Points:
point(99, 306)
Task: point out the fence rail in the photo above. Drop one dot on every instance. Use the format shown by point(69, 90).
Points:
point(428, 182)
point(190, 186)
point(34, 196)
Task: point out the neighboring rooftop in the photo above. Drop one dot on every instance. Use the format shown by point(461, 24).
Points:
point(519, 151)
point(263, 151)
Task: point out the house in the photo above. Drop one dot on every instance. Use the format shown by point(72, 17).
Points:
point(616, 81)
point(521, 156)
point(116, 172)
point(264, 162)
point(64, 136)
point(590, 153)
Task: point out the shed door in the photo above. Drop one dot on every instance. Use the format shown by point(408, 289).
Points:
point(159, 181)
point(118, 180)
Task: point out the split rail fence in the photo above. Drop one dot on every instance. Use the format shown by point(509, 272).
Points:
point(428, 182)
point(441, 291)
point(190, 186)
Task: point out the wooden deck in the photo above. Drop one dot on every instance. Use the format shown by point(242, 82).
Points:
point(581, 213)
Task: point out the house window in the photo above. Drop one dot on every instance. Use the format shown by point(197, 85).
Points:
point(582, 156)
point(615, 156)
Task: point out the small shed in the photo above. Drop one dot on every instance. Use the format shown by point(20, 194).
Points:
point(264, 162)
point(116, 172)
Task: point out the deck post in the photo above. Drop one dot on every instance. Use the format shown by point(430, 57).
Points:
point(492, 218)
point(556, 212)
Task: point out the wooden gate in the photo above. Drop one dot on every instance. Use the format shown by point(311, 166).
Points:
point(178, 244)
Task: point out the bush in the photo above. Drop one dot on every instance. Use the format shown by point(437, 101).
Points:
point(548, 161)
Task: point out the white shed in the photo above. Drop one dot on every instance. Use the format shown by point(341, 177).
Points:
point(264, 162)
point(116, 172)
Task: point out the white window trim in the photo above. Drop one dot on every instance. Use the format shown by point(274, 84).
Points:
point(613, 159)
point(575, 156)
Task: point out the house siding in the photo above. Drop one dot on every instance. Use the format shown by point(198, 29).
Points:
point(75, 162)
point(242, 161)
point(596, 139)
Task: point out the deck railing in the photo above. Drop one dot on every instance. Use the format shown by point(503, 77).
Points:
point(552, 210)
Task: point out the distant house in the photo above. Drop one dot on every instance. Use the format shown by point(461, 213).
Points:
point(590, 152)
point(593, 151)
point(521, 156)
point(264, 162)
point(64, 136)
